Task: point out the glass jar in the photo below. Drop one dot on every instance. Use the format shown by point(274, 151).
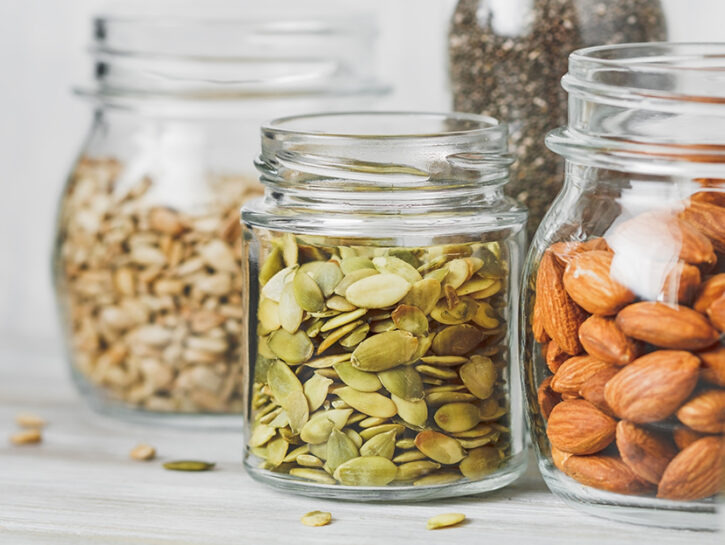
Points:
point(147, 252)
point(623, 289)
point(382, 265)
point(507, 58)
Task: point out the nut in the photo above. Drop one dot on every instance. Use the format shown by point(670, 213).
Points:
point(588, 283)
point(713, 365)
point(577, 427)
point(605, 472)
point(710, 290)
point(593, 389)
point(716, 313)
point(705, 412)
point(708, 219)
point(647, 453)
point(695, 473)
point(602, 338)
point(574, 372)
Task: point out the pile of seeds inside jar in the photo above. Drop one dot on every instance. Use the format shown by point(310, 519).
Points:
point(152, 296)
point(507, 62)
point(380, 365)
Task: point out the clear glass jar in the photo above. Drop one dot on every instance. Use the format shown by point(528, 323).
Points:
point(623, 289)
point(382, 268)
point(507, 58)
point(147, 253)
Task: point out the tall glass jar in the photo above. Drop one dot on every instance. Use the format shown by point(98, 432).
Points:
point(507, 58)
point(147, 253)
point(623, 291)
point(382, 268)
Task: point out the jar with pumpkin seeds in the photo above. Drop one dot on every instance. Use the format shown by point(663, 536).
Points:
point(382, 270)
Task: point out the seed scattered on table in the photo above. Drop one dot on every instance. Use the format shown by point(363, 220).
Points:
point(26, 437)
point(143, 452)
point(445, 520)
point(316, 518)
point(29, 420)
point(189, 465)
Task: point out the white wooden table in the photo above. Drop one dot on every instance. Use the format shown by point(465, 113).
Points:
point(79, 486)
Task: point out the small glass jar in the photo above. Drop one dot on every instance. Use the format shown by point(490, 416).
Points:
point(622, 301)
point(382, 268)
point(147, 253)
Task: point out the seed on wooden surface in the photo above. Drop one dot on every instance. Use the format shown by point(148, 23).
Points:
point(445, 520)
point(189, 465)
point(26, 437)
point(143, 452)
point(29, 420)
point(316, 518)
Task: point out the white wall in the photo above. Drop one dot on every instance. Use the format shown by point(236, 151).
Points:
point(42, 54)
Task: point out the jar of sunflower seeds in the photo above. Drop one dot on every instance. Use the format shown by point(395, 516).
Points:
point(148, 253)
point(382, 268)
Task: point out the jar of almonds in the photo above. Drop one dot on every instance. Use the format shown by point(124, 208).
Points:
point(623, 301)
point(382, 268)
point(147, 253)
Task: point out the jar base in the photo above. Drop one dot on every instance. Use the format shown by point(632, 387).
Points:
point(640, 510)
point(285, 483)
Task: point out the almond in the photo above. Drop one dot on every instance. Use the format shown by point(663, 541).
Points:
point(684, 437)
point(537, 324)
point(565, 251)
point(713, 365)
point(710, 290)
point(652, 387)
point(548, 398)
point(593, 389)
point(681, 284)
point(716, 197)
point(559, 314)
point(606, 473)
point(559, 457)
point(555, 356)
point(588, 283)
point(574, 372)
point(667, 326)
point(646, 452)
point(578, 427)
point(709, 220)
point(716, 313)
point(695, 473)
point(705, 412)
point(602, 339)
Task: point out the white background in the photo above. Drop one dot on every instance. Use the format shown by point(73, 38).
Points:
point(42, 54)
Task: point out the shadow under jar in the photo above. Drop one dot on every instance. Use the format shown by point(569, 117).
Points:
point(382, 268)
point(624, 289)
point(148, 255)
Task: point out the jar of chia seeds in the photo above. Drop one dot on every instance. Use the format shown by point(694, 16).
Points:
point(381, 275)
point(624, 289)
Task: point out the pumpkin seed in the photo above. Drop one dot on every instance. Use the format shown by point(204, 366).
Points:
point(282, 381)
point(476, 431)
point(397, 266)
point(273, 288)
point(355, 263)
point(439, 275)
point(436, 399)
point(445, 520)
point(436, 372)
point(327, 361)
point(276, 451)
point(439, 447)
point(290, 312)
point(311, 267)
point(382, 444)
point(384, 351)
point(405, 444)
point(293, 348)
point(289, 249)
point(342, 319)
point(403, 381)
point(456, 340)
point(492, 290)
point(424, 294)
point(296, 410)
point(366, 471)
point(378, 291)
point(359, 380)
point(409, 456)
point(352, 277)
point(479, 376)
point(340, 449)
point(415, 469)
point(328, 276)
point(372, 404)
point(371, 421)
point(189, 465)
point(316, 518)
point(268, 315)
point(463, 311)
point(355, 337)
point(475, 285)
point(382, 428)
point(354, 436)
point(315, 389)
point(490, 410)
point(438, 478)
point(272, 265)
point(410, 318)
point(314, 475)
point(294, 453)
point(339, 303)
point(485, 316)
point(479, 441)
point(381, 326)
point(458, 273)
point(457, 417)
point(308, 293)
point(444, 360)
point(261, 434)
point(337, 335)
point(480, 462)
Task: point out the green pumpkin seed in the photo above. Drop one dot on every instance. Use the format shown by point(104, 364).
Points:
point(413, 412)
point(384, 351)
point(434, 263)
point(415, 469)
point(314, 475)
point(190, 465)
point(308, 293)
point(294, 453)
point(378, 291)
point(290, 312)
point(339, 303)
point(317, 430)
point(276, 451)
point(424, 294)
point(491, 410)
point(292, 348)
point(296, 410)
point(359, 380)
point(355, 263)
point(282, 381)
point(474, 285)
point(311, 267)
point(445, 520)
point(354, 437)
point(372, 404)
point(479, 376)
point(381, 326)
point(357, 417)
point(366, 471)
point(289, 249)
point(342, 319)
point(436, 372)
point(444, 360)
point(476, 442)
point(316, 518)
point(480, 462)
point(268, 315)
point(456, 340)
point(328, 276)
point(315, 389)
point(327, 361)
point(337, 335)
point(340, 449)
point(438, 478)
point(439, 275)
point(352, 277)
point(402, 381)
point(435, 399)
point(382, 428)
point(463, 311)
point(314, 327)
point(492, 290)
point(355, 337)
point(272, 265)
point(439, 447)
point(409, 456)
point(405, 444)
point(457, 417)
point(424, 344)
point(477, 431)
point(319, 450)
point(407, 255)
point(371, 421)
point(382, 444)
point(261, 434)
point(410, 318)
point(273, 288)
point(458, 273)
point(281, 420)
point(397, 266)
point(485, 316)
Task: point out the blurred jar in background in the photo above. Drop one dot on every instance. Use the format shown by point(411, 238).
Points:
point(147, 251)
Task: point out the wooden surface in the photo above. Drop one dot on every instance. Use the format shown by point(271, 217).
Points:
point(79, 486)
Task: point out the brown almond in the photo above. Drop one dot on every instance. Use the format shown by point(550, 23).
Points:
point(695, 473)
point(578, 427)
point(537, 324)
point(667, 326)
point(560, 315)
point(709, 220)
point(716, 313)
point(593, 389)
point(547, 397)
point(716, 197)
point(713, 365)
point(588, 283)
point(559, 457)
point(602, 338)
point(646, 452)
point(681, 284)
point(555, 356)
point(653, 386)
point(684, 437)
point(605, 472)
point(565, 251)
point(574, 372)
point(710, 290)
point(705, 412)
